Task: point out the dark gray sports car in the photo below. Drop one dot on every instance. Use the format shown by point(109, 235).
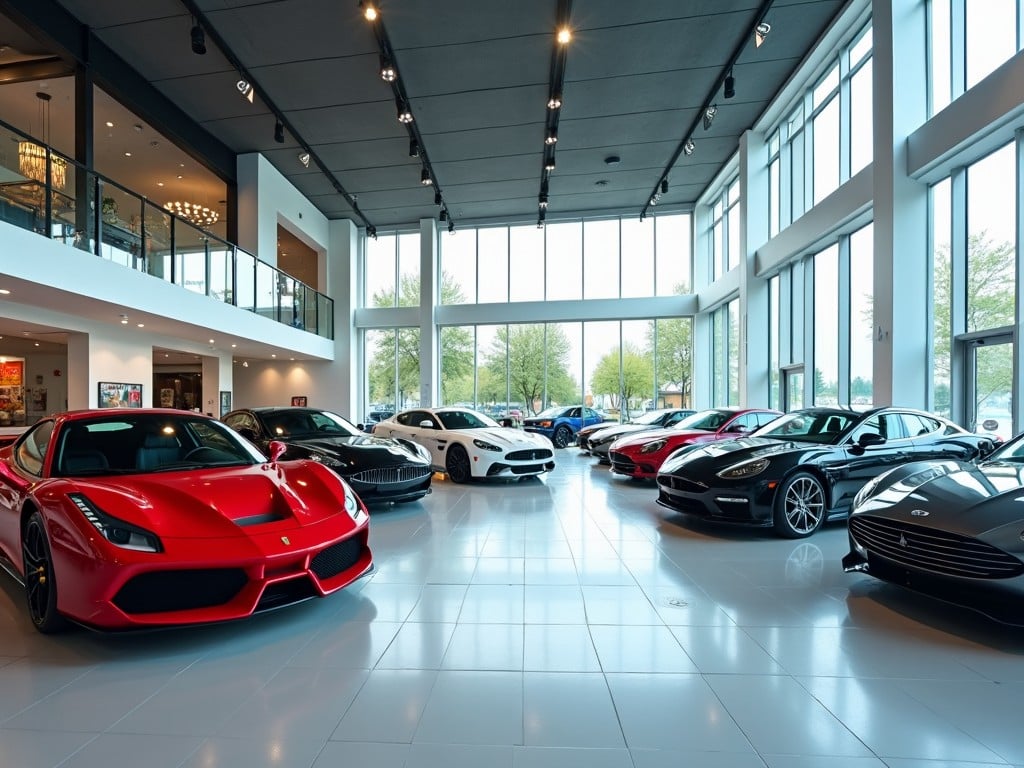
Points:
point(378, 469)
point(950, 529)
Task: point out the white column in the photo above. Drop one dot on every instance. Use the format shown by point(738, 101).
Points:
point(342, 283)
point(430, 293)
point(900, 205)
point(754, 358)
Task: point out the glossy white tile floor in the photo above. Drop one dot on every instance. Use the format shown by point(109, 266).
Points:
point(556, 623)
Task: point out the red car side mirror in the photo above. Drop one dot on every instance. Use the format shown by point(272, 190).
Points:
point(276, 449)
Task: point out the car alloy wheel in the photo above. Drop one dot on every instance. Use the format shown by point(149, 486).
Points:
point(563, 436)
point(40, 584)
point(456, 464)
point(799, 506)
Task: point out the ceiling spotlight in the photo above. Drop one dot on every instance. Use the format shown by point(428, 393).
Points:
point(555, 101)
point(425, 179)
point(388, 73)
point(304, 158)
point(124, 319)
point(372, 232)
point(709, 115)
point(414, 148)
point(404, 113)
point(730, 86)
point(437, 197)
point(198, 39)
point(443, 216)
point(549, 163)
point(245, 363)
point(542, 200)
point(654, 200)
point(551, 138)
point(245, 88)
point(370, 12)
point(688, 147)
point(564, 35)
point(451, 227)
point(761, 32)
point(664, 186)
point(279, 132)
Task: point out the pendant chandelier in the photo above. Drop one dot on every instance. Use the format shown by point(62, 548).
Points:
point(193, 213)
point(32, 156)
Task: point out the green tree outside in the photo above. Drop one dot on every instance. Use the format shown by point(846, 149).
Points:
point(637, 377)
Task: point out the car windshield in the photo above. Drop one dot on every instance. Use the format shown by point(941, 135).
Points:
point(709, 421)
point(552, 412)
point(306, 422)
point(651, 417)
point(466, 420)
point(147, 443)
point(808, 426)
point(1011, 451)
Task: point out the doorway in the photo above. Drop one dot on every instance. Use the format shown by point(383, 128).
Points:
point(988, 391)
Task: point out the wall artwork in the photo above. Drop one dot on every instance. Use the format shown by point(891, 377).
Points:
point(299, 400)
point(117, 395)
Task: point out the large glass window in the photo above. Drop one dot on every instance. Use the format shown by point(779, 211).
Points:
point(673, 254)
point(565, 261)
point(458, 266)
point(862, 270)
point(826, 327)
point(601, 259)
point(774, 361)
point(990, 28)
point(526, 263)
point(861, 104)
point(392, 368)
point(638, 269)
point(991, 222)
point(493, 262)
point(941, 309)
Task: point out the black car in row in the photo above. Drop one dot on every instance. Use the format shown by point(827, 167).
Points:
point(378, 469)
point(807, 466)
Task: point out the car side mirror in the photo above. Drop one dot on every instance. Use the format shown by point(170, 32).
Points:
point(870, 438)
point(276, 449)
point(248, 433)
point(738, 428)
point(427, 424)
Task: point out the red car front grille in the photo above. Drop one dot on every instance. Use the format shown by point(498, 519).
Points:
point(165, 591)
point(337, 558)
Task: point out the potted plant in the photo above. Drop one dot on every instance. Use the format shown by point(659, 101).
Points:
point(109, 210)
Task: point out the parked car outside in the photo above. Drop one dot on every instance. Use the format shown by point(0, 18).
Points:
point(372, 417)
point(560, 424)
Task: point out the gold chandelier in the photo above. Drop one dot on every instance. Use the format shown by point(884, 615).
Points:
point(32, 156)
point(194, 213)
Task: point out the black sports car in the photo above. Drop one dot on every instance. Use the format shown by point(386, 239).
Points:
point(950, 529)
point(378, 469)
point(805, 467)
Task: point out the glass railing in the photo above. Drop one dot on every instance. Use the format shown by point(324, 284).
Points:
point(48, 193)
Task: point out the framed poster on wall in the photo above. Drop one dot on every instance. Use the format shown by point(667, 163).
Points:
point(114, 394)
point(225, 403)
point(299, 400)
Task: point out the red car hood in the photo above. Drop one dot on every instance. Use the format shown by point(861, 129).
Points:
point(221, 502)
point(673, 436)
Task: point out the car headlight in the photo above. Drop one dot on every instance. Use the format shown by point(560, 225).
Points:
point(327, 461)
point(654, 446)
point(544, 424)
point(117, 532)
point(483, 445)
point(744, 469)
point(353, 505)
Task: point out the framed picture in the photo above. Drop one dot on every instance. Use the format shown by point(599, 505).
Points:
point(299, 400)
point(225, 403)
point(114, 394)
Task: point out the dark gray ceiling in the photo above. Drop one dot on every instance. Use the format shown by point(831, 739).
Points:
point(637, 75)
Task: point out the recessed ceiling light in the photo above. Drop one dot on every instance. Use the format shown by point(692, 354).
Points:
point(110, 124)
point(141, 325)
point(211, 341)
point(127, 154)
point(273, 355)
point(159, 183)
point(4, 291)
point(612, 160)
point(233, 346)
point(180, 176)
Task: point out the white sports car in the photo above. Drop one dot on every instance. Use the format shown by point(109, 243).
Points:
point(465, 444)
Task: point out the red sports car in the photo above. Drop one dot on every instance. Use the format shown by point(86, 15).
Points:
point(125, 518)
point(641, 456)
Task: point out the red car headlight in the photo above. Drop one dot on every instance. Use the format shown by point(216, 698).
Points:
point(353, 505)
point(117, 532)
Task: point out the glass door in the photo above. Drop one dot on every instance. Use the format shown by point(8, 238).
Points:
point(989, 391)
point(793, 388)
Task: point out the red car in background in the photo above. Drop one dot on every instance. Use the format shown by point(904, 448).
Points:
point(641, 456)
